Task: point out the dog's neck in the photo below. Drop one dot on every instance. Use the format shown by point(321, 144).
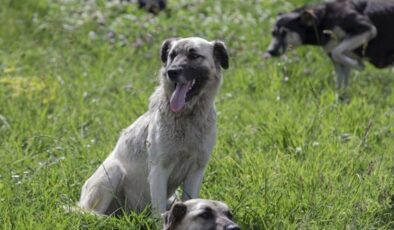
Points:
point(314, 34)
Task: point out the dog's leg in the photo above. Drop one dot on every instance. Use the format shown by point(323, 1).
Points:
point(348, 45)
point(158, 179)
point(342, 80)
point(342, 75)
point(192, 184)
point(101, 188)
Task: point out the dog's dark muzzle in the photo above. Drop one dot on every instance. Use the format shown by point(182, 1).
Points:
point(174, 73)
point(277, 47)
point(181, 73)
point(274, 53)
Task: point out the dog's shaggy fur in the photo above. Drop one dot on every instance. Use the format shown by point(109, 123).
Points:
point(169, 145)
point(199, 214)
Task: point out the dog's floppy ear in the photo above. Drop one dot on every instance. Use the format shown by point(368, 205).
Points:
point(165, 47)
point(308, 17)
point(174, 216)
point(220, 53)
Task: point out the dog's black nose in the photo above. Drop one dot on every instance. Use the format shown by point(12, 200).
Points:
point(174, 73)
point(274, 53)
point(232, 227)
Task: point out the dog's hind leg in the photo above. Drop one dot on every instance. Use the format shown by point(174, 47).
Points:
point(101, 189)
point(342, 75)
point(339, 54)
point(342, 80)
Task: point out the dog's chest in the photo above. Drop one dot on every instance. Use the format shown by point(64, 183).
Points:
point(182, 164)
point(181, 147)
point(184, 140)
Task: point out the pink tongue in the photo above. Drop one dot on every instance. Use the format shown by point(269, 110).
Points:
point(178, 97)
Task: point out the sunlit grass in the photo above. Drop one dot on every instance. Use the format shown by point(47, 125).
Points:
point(74, 74)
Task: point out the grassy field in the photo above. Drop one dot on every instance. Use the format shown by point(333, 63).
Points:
point(73, 74)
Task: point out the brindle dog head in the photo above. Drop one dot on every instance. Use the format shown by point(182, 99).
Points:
point(192, 68)
point(199, 214)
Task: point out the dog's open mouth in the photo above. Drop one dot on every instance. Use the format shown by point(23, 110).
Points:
point(182, 93)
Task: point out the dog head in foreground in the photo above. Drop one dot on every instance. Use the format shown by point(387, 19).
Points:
point(192, 70)
point(199, 214)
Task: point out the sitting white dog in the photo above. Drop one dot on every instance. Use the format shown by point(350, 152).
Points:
point(169, 145)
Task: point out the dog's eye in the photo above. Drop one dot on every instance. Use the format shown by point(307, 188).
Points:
point(206, 215)
point(282, 32)
point(274, 32)
point(173, 55)
point(193, 56)
point(229, 215)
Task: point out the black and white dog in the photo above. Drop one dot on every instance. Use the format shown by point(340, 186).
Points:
point(348, 30)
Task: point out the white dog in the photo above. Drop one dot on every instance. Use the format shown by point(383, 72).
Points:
point(169, 145)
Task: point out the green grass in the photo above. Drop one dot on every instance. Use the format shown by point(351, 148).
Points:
point(287, 155)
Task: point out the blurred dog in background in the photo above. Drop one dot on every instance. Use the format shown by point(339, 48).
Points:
point(348, 30)
point(153, 6)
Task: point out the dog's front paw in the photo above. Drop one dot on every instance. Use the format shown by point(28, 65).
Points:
point(355, 64)
point(266, 56)
point(343, 97)
point(359, 65)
